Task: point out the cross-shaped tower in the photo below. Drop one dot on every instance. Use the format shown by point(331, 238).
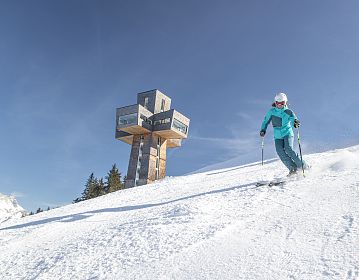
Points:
point(151, 127)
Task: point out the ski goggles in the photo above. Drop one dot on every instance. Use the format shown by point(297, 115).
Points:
point(280, 103)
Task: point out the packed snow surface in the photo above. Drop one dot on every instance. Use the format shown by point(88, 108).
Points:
point(9, 208)
point(211, 225)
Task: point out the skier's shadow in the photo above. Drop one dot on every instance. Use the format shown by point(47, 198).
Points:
point(87, 214)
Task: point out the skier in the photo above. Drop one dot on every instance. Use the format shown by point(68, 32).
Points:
point(282, 120)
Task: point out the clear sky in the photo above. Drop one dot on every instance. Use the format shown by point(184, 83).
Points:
point(65, 66)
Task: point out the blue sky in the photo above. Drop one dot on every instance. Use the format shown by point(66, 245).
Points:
point(65, 66)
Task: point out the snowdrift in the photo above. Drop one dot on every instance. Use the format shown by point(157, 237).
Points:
point(211, 225)
point(9, 208)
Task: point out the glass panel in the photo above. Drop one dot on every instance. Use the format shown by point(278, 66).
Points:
point(127, 119)
point(180, 126)
point(138, 168)
point(141, 147)
point(163, 105)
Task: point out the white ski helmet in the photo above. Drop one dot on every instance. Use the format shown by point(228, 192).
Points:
point(280, 97)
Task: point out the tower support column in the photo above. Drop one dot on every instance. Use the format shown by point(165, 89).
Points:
point(147, 160)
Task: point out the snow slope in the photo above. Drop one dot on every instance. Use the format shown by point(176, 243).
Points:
point(9, 208)
point(211, 225)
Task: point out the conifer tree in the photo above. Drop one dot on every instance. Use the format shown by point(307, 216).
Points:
point(89, 188)
point(94, 188)
point(98, 188)
point(77, 200)
point(114, 180)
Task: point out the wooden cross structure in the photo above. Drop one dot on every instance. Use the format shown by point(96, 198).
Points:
point(150, 126)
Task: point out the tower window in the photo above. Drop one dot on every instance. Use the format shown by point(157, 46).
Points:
point(158, 158)
point(128, 119)
point(180, 126)
point(139, 158)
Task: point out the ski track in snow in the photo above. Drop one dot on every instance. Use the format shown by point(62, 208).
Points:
point(211, 225)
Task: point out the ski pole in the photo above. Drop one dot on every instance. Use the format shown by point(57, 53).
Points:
point(300, 151)
point(262, 149)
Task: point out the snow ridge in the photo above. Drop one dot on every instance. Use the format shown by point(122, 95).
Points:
point(9, 208)
point(211, 225)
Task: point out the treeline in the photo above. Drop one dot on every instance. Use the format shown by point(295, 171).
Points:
point(39, 210)
point(95, 187)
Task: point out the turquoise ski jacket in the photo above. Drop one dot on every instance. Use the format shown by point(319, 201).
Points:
point(282, 121)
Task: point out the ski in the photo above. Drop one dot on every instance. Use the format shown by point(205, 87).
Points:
point(271, 183)
point(276, 183)
point(279, 181)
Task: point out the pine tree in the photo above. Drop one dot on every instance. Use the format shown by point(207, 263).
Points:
point(114, 180)
point(39, 210)
point(77, 200)
point(89, 187)
point(94, 188)
point(98, 188)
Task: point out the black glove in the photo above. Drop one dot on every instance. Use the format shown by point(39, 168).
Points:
point(262, 133)
point(296, 123)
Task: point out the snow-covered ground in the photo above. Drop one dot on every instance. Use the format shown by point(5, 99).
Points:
point(9, 208)
point(211, 225)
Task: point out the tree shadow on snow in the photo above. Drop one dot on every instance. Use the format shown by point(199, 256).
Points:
point(87, 214)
